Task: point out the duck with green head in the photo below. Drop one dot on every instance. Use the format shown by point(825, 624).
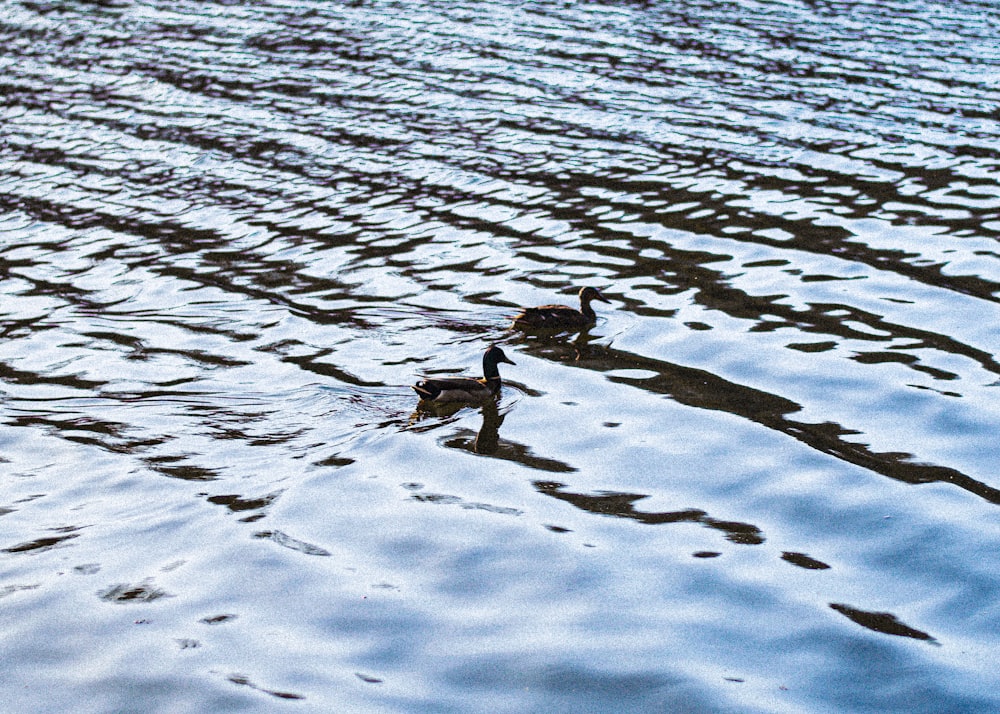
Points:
point(466, 389)
point(561, 317)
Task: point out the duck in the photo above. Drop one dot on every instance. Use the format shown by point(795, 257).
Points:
point(546, 317)
point(466, 389)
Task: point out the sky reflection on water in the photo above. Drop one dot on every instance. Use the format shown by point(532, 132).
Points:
point(232, 236)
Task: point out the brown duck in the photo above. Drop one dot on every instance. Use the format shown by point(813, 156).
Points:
point(561, 317)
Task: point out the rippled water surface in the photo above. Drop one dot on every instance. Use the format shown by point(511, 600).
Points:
point(233, 234)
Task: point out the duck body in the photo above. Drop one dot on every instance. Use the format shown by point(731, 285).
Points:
point(561, 317)
point(457, 389)
point(466, 389)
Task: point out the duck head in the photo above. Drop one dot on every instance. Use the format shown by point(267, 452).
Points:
point(588, 294)
point(494, 356)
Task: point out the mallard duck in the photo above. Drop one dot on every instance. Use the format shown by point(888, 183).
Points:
point(466, 389)
point(547, 317)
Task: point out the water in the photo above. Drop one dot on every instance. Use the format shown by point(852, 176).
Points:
point(231, 235)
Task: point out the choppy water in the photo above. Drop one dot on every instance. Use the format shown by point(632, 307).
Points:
point(231, 235)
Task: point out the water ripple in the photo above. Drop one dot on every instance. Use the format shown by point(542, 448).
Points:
point(232, 235)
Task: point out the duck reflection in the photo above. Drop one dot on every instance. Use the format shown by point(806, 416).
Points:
point(559, 348)
point(486, 441)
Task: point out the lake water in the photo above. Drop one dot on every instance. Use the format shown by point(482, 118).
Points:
point(233, 234)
